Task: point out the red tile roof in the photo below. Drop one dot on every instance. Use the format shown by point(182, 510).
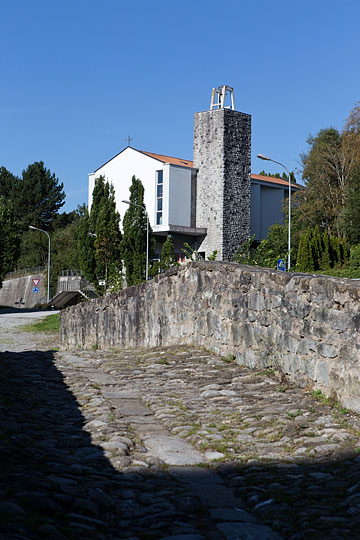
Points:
point(274, 180)
point(190, 164)
point(169, 159)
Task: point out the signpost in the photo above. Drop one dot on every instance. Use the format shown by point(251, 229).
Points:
point(281, 265)
point(36, 282)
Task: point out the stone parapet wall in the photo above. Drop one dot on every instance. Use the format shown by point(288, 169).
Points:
point(308, 326)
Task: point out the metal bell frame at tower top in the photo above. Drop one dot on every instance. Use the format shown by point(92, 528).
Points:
point(218, 98)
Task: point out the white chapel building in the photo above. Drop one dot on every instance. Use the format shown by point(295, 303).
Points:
point(212, 202)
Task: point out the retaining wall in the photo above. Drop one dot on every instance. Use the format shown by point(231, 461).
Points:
point(18, 292)
point(306, 325)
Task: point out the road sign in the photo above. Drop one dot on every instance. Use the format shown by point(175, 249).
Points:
point(35, 289)
point(36, 282)
point(281, 265)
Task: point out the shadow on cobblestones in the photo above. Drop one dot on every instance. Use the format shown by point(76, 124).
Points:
point(52, 477)
point(57, 483)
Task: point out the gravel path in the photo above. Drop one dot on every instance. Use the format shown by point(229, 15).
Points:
point(167, 444)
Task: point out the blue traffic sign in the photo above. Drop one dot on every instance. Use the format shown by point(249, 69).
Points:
point(35, 290)
point(281, 265)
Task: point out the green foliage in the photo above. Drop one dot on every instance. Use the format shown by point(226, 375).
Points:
point(108, 238)
point(99, 238)
point(319, 251)
point(348, 273)
point(64, 252)
point(213, 256)
point(32, 200)
point(320, 201)
point(39, 196)
point(267, 253)
point(9, 237)
point(350, 214)
point(304, 260)
point(86, 249)
point(273, 247)
point(190, 252)
point(51, 323)
point(34, 248)
point(283, 176)
point(168, 257)
point(154, 269)
point(354, 261)
point(133, 244)
point(245, 253)
point(331, 174)
point(8, 184)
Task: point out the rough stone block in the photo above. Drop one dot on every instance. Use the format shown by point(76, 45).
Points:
point(323, 373)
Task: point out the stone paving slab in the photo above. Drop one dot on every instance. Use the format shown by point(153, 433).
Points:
point(172, 450)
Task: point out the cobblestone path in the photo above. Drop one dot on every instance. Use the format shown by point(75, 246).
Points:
point(168, 444)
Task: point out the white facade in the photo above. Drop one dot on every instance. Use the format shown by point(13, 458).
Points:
point(175, 193)
point(178, 196)
point(119, 172)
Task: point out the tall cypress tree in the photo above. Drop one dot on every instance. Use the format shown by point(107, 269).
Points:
point(316, 248)
point(326, 251)
point(133, 244)
point(86, 249)
point(99, 239)
point(168, 257)
point(108, 238)
point(304, 260)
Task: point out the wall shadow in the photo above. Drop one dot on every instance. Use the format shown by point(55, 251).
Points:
point(55, 483)
point(8, 310)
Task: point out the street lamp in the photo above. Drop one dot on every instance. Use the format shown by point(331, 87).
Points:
point(48, 280)
point(266, 158)
point(147, 234)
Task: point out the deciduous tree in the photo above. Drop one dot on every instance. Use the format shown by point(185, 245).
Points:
point(330, 171)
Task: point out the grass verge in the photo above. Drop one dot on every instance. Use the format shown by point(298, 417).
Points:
point(51, 323)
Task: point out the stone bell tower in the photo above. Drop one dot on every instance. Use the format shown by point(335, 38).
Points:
point(222, 155)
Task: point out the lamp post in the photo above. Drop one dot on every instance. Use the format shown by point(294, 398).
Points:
point(266, 158)
point(147, 234)
point(48, 280)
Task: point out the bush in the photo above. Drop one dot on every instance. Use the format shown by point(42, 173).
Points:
point(348, 273)
point(354, 262)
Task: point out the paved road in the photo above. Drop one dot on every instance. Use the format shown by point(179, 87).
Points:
point(173, 443)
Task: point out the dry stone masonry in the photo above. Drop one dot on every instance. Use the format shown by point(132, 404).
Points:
point(305, 325)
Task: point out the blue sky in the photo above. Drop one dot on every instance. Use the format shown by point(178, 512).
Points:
point(79, 76)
